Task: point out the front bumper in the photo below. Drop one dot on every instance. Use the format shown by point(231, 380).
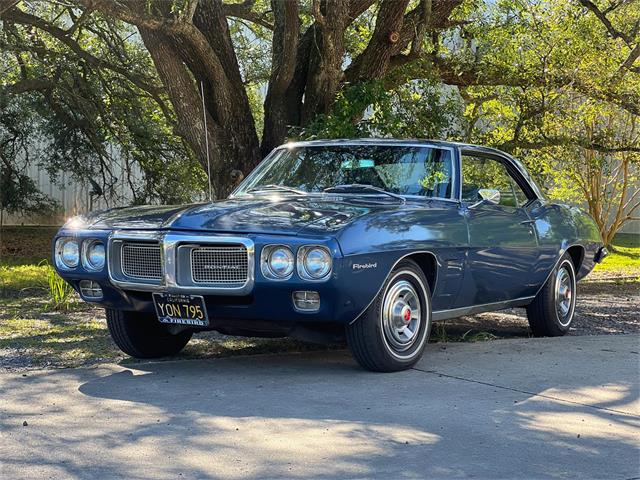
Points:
point(265, 300)
point(266, 303)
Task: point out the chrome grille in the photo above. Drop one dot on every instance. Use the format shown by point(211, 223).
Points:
point(142, 261)
point(220, 264)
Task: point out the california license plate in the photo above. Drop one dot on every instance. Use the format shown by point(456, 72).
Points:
point(181, 309)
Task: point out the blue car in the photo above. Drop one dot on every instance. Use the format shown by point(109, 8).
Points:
point(368, 240)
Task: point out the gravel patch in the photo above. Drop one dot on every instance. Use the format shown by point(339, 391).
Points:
point(603, 308)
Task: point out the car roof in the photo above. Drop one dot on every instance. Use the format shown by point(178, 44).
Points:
point(392, 141)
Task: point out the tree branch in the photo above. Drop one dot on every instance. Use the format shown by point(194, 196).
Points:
point(18, 16)
point(6, 5)
point(245, 12)
point(283, 64)
point(607, 24)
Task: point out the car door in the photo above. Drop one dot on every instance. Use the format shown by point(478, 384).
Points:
point(503, 246)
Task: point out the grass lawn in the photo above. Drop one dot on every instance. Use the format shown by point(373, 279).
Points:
point(624, 260)
point(33, 334)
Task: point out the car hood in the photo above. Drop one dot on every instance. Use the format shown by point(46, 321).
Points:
point(277, 214)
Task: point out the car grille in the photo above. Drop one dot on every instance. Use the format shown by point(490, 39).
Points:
point(141, 261)
point(220, 264)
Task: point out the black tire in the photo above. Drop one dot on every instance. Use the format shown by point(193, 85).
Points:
point(141, 335)
point(546, 315)
point(369, 337)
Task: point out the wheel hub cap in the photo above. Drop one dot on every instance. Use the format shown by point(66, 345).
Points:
point(564, 294)
point(401, 315)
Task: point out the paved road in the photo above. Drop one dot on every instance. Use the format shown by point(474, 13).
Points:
point(566, 407)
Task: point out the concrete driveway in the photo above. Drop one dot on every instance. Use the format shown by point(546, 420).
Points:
point(565, 407)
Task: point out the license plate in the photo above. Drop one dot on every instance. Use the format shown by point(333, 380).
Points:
point(181, 309)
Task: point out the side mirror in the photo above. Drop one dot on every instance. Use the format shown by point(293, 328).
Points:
point(488, 195)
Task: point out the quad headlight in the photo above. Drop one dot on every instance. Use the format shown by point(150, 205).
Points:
point(93, 255)
point(277, 262)
point(314, 262)
point(67, 253)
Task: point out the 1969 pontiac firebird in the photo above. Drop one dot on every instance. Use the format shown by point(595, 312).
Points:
point(372, 240)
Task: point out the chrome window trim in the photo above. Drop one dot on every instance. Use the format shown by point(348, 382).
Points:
point(169, 243)
point(503, 158)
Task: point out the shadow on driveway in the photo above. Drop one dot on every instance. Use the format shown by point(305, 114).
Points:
point(505, 409)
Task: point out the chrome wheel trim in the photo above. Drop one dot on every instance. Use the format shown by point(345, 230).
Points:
point(422, 332)
point(401, 315)
point(564, 291)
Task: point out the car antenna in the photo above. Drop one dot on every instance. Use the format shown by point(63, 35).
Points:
point(206, 140)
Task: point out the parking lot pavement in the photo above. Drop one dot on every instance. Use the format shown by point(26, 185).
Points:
point(563, 407)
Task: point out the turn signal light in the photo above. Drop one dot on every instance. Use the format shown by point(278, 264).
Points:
point(306, 300)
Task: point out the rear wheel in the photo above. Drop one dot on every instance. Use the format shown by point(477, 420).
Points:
point(551, 312)
point(140, 335)
point(392, 333)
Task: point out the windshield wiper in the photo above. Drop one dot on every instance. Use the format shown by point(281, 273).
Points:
point(361, 187)
point(274, 187)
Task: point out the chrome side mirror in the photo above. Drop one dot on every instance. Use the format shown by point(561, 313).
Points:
point(488, 195)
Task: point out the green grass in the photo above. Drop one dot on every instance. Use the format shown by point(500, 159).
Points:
point(624, 260)
point(53, 339)
point(22, 279)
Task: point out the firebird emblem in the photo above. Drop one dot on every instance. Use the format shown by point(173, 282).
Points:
point(363, 266)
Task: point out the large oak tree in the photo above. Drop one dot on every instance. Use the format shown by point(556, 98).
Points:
point(315, 49)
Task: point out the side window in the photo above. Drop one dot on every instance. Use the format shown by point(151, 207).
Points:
point(482, 172)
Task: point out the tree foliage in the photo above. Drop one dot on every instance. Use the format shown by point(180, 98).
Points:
point(95, 105)
point(550, 82)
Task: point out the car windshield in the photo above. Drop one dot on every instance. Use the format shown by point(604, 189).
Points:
point(404, 170)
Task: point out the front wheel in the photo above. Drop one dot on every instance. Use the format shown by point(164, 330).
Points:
point(141, 335)
point(551, 312)
point(392, 333)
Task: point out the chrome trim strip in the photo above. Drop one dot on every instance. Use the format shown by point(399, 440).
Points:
point(169, 243)
point(485, 307)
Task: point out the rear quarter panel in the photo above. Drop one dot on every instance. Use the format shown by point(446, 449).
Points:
point(560, 227)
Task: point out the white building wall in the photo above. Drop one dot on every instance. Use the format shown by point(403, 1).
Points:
point(73, 196)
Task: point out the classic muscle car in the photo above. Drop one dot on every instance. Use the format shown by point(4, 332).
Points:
point(368, 240)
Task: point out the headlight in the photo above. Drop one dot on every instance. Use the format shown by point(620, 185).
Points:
point(67, 254)
point(93, 255)
point(314, 262)
point(277, 262)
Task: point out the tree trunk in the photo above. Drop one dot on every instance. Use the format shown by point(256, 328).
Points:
point(232, 139)
point(283, 65)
